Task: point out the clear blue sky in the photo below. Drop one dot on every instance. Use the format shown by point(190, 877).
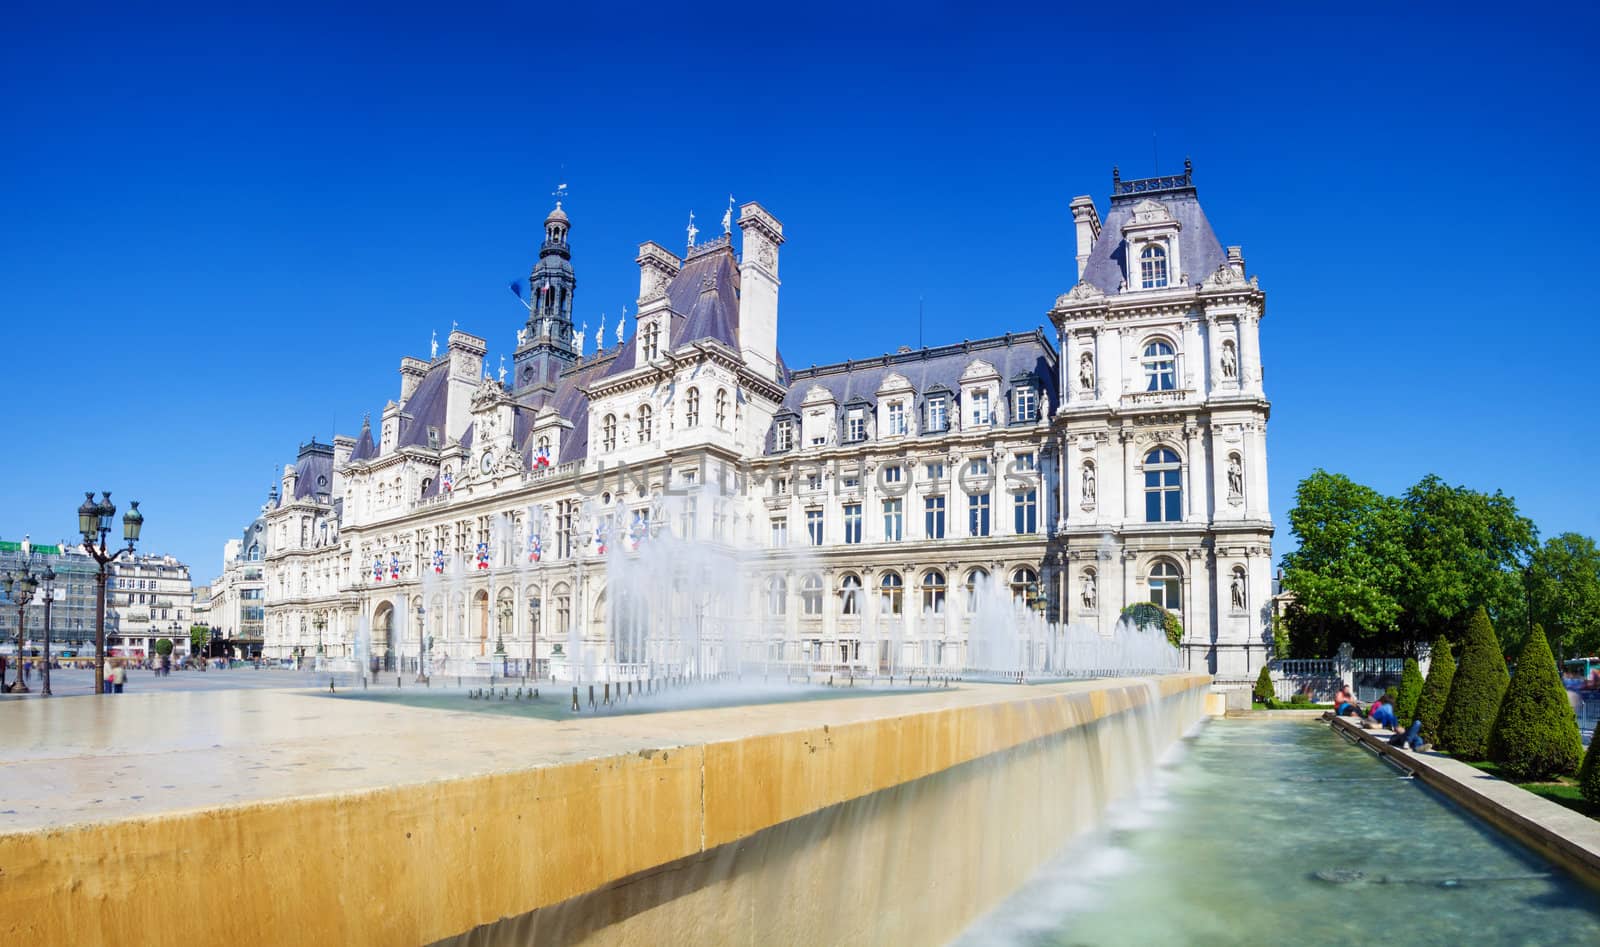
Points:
point(222, 232)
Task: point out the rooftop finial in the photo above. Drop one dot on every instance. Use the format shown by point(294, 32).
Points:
point(692, 229)
point(620, 321)
point(502, 371)
point(433, 347)
point(727, 217)
point(560, 194)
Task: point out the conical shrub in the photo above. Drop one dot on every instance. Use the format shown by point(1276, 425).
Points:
point(1263, 691)
point(1436, 689)
point(1409, 692)
point(1535, 734)
point(1475, 692)
point(1589, 774)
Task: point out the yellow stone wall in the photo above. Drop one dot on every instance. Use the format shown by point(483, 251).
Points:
point(419, 863)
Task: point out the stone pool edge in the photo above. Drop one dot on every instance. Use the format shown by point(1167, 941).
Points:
point(1569, 839)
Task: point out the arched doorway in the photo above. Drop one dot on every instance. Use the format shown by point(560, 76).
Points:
point(383, 633)
point(480, 620)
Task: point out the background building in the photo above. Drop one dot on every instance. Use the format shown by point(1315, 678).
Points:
point(153, 598)
point(71, 614)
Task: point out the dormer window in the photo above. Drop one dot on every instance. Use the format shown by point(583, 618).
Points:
point(897, 418)
point(1153, 267)
point(980, 408)
point(1027, 404)
point(1160, 367)
point(855, 426)
point(783, 439)
point(938, 414)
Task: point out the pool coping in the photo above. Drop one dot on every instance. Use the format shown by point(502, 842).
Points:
point(1567, 838)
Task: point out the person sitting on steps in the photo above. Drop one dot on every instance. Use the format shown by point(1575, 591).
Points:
point(1344, 703)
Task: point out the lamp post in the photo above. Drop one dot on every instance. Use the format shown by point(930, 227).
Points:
point(20, 587)
point(49, 581)
point(320, 622)
point(422, 644)
point(533, 632)
point(94, 521)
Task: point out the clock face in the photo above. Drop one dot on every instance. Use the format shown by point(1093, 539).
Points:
point(488, 461)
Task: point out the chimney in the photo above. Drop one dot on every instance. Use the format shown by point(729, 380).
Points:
point(466, 373)
point(758, 289)
point(343, 446)
point(1087, 220)
point(657, 267)
point(411, 372)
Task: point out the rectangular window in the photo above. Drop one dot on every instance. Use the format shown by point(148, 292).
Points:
point(784, 440)
point(897, 418)
point(814, 481)
point(855, 426)
point(933, 517)
point(852, 483)
point(1027, 461)
point(814, 526)
point(893, 520)
point(1027, 404)
point(894, 473)
point(780, 486)
point(978, 514)
point(852, 523)
point(980, 407)
point(938, 415)
point(1027, 512)
point(780, 532)
point(935, 471)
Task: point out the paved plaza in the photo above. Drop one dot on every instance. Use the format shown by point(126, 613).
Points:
point(76, 683)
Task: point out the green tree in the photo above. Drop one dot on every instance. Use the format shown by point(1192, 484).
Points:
point(1264, 692)
point(1475, 692)
point(163, 646)
point(1409, 692)
point(1564, 587)
point(1351, 564)
point(1436, 688)
point(199, 635)
point(1465, 550)
point(1535, 734)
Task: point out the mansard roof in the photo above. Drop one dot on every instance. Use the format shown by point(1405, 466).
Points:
point(1016, 356)
point(427, 407)
point(365, 449)
point(1200, 251)
point(314, 464)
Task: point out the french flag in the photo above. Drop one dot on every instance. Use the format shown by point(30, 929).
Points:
point(438, 561)
point(535, 548)
point(600, 539)
point(449, 481)
point(541, 460)
point(394, 567)
point(483, 555)
point(377, 569)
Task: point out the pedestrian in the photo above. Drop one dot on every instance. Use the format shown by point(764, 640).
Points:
point(1344, 703)
point(1382, 713)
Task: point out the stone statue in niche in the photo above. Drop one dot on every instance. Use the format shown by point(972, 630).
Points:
point(1235, 476)
point(1091, 595)
point(1086, 372)
point(1088, 485)
point(1237, 592)
point(1230, 361)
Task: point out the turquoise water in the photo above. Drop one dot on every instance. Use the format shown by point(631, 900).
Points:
point(1228, 846)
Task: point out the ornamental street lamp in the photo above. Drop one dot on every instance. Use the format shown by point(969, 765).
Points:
point(422, 644)
point(500, 637)
point(533, 632)
point(94, 522)
point(49, 580)
point(320, 623)
point(20, 587)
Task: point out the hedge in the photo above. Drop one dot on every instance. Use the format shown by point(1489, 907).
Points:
point(1475, 692)
point(1535, 734)
point(1436, 689)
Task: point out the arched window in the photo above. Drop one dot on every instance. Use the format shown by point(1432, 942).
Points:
point(562, 598)
point(722, 409)
point(811, 594)
point(1024, 585)
point(544, 444)
point(933, 591)
point(892, 588)
point(777, 596)
point(1153, 267)
point(1166, 586)
point(1160, 366)
point(850, 594)
point(691, 411)
point(1163, 487)
point(608, 433)
point(426, 483)
point(976, 579)
point(644, 423)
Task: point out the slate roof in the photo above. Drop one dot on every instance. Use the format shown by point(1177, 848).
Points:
point(427, 407)
point(315, 461)
point(365, 449)
point(1014, 356)
point(1200, 251)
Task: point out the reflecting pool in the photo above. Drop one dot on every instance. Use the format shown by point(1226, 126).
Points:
point(1273, 831)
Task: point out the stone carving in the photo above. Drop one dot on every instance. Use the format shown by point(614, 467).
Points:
point(767, 255)
point(502, 371)
point(1235, 476)
point(1083, 290)
point(620, 321)
point(1230, 360)
point(1224, 275)
point(1089, 488)
point(578, 337)
point(433, 347)
point(1086, 371)
point(600, 335)
point(1237, 591)
point(1091, 594)
point(522, 337)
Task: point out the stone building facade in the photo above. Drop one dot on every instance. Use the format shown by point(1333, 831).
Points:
point(888, 489)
